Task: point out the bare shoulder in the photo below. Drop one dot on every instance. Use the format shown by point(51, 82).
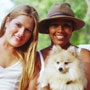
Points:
point(45, 52)
point(85, 55)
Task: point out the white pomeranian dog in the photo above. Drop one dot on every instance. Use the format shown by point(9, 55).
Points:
point(63, 71)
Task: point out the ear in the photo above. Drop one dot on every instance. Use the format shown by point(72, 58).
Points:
point(72, 50)
point(55, 48)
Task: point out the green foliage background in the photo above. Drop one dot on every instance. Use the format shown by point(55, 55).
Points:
point(81, 9)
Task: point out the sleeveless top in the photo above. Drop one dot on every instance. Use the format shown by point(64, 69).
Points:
point(42, 59)
point(10, 76)
point(85, 46)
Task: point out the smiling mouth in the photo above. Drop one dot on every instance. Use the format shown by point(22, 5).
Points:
point(17, 38)
point(59, 37)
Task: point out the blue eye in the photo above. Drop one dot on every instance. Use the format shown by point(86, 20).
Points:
point(18, 25)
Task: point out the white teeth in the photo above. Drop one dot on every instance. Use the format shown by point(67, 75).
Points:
point(17, 37)
point(60, 37)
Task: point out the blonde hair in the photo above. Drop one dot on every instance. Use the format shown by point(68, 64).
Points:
point(27, 52)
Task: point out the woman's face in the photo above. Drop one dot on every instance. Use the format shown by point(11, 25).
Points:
point(19, 30)
point(60, 32)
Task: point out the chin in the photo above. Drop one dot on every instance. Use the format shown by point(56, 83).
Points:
point(63, 71)
point(60, 43)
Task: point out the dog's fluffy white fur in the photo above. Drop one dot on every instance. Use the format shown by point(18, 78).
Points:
point(63, 71)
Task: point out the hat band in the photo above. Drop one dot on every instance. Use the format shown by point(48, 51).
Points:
point(58, 13)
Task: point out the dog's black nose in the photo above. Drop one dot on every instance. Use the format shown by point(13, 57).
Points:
point(60, 69)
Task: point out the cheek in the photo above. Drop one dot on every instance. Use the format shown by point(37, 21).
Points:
point(11, 29)
point(8, 31)
point(28, 36)
point(69, 33)
point(51, 30)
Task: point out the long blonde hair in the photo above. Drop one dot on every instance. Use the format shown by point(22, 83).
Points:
point(27, 52)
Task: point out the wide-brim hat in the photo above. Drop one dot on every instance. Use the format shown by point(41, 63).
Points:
point(60, 11)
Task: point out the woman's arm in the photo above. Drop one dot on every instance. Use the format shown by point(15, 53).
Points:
point(33, 84)
point(85, 56)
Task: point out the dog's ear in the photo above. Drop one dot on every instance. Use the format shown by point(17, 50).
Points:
point(55, 48)
point(72, 50)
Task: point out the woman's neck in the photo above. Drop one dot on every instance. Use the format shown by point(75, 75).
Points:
point(64, 46)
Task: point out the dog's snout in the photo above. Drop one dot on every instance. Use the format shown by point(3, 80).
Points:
point(60, 69)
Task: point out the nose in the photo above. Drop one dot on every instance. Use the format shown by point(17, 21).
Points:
point(21, 31)
point(59, 28)
point(60, 69)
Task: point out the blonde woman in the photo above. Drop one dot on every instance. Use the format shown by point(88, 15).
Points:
point(18, 42)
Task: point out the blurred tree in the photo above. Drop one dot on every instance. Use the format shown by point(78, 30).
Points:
point(81, 9)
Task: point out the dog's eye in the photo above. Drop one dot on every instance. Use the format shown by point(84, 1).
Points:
point(66, 63)
point(57, 62)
